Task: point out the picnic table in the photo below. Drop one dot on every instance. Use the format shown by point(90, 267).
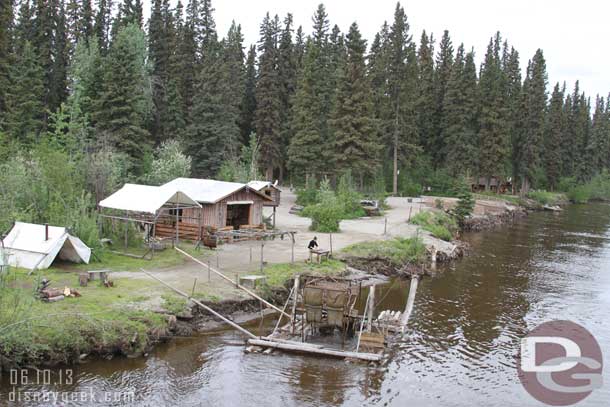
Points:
point(320, 254)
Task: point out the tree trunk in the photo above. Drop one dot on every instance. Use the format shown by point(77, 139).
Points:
point(395, 175)
point(525, 186)
point(269, 174)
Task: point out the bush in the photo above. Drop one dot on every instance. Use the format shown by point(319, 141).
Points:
point(580, 194)
point(325, 217)
point(439, 224)
point(170, 162)
point(307, 196)
point(349, 198)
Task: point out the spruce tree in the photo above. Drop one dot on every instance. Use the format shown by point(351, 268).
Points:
point(399, 41)
point(599, 142)
point(6, 50)
point(24, 117)
point(426, 101)
point(268, 103)
point(287, 66)
point(442, 73)
point(125, 102)
point(493, 136)
point(248, 104)
point(554, 137)
point(356, 144)
point(235, 77)
point(459, 124)
point(535, 96)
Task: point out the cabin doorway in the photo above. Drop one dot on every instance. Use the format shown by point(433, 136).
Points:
point(237, 215)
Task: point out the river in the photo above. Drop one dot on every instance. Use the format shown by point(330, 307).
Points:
point(459, 350)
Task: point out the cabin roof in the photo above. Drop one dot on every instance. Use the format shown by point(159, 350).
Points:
point(209, 190)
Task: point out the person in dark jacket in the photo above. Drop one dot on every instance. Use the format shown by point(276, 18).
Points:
point(313, 243)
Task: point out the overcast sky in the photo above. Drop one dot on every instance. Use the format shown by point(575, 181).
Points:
point(573, 34)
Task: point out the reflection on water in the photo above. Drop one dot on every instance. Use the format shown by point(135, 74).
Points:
point(461, 345)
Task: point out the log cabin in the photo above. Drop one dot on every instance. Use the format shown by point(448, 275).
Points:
point(213, 206)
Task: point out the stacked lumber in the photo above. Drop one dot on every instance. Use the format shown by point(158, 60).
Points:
point(187, 231)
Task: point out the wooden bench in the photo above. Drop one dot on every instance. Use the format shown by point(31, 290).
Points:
point(101, 274)
point(320, 254)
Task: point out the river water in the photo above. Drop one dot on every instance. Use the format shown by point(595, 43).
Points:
point(459, 350)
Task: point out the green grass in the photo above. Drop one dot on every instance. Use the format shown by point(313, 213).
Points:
point(512, 199)
point(101, 320)
point(439, 224)
point(398, 251)
point(278, 274)
point(105, 259)
point(546, 198)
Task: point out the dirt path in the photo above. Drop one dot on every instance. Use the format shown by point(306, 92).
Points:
point(244, 257)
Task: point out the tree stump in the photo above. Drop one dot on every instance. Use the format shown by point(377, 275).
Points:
point(83, 279)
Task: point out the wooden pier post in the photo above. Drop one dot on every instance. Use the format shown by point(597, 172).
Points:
point(371, 308)
point(295, 288)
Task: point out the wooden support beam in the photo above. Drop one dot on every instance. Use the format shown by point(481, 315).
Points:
point(307, 348)
point(410, 302)
point(228, 279)
point(210, 310)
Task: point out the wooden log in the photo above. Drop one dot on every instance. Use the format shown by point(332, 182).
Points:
point(56, 298)
point(83, 279)
point(307, 348)
point(51, 292)
point(205, 307)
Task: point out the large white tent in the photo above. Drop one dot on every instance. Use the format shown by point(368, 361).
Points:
point(34, 246)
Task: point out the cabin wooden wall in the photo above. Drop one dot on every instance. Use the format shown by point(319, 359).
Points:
point(256, 209)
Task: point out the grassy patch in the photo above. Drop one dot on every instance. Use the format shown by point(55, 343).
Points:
point(106, 259)
point(102, 320)
point(278, 274)
point(545, 197)
point(399, 250)
point(439, 224)
point(173, 304)
point(487, 195)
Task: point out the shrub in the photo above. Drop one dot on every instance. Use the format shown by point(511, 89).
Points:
point(307, 196)
point(349, 198)
point(170, 162)
point(325, 217)
point(580, 194)
point(439, 224)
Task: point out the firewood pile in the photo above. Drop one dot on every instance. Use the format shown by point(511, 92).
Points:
point(48, 294)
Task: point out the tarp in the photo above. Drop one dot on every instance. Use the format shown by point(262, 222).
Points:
point(146, 198)
point(260, 185)
point(26, 246)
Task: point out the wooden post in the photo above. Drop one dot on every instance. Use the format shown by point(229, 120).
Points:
point(410, 210)
point(217, 260)
point(209, 272)
point(293, 243)
point(177, 228)
point(126, 233)
point(295, 289)
point(371, 308)
point(410, 301)
point(274, 208)
point(331, 246)
point(385, 226)
point(262, 246)
point(250, 254)
point(194, 284)
point(210, 310)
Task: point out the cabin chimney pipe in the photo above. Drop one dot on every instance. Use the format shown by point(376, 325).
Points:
point(46, 232)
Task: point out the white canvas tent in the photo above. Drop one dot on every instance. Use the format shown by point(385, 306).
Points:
point(36, 246)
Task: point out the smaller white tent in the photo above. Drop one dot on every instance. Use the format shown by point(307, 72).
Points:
point(36, 246)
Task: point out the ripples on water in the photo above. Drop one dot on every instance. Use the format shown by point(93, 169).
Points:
point(462, 340)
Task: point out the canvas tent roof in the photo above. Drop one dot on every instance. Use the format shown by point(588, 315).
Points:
point(208, 190)
point(26, 246)
point(146, 198)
